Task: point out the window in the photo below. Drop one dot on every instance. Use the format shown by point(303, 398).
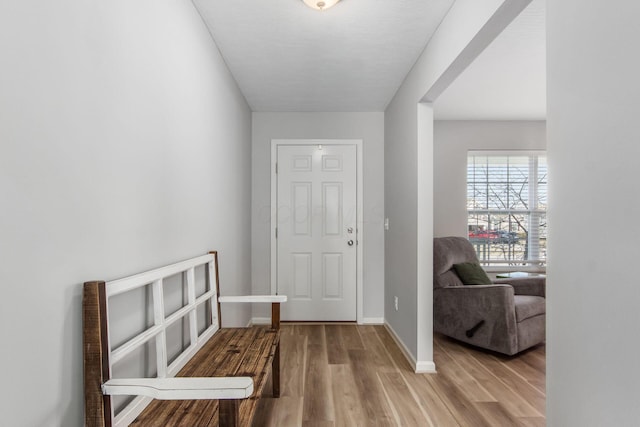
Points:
point(507, 205)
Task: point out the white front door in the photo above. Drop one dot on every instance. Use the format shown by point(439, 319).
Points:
point(316, 231)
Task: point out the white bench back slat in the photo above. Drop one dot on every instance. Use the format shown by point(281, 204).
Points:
point(130, 412)
point(158, 320)
point(119, 286)
point(161, 323)
point(131, 345)
point(191, 295)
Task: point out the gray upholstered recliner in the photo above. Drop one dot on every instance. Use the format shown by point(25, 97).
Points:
point(507, 316)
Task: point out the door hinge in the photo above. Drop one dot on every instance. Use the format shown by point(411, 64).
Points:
point(276, 167)
point(276, 232)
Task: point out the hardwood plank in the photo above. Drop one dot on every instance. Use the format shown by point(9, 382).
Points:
point(346, 399)
point(374, 402)
point(539, 384)
point(315, 333)
point(516, 404)
point(377, 387)
point(294, 355)
point(536, 360)
point(527, 371)
point(496, 414)
point(317, 423)
point(318, 406)
point(407, 410)
point(533, 360)
point(468, 382)
point(536, 357)
point(351, 337)
point(462, 409)
point(377, 355)
point(532, 422)
point(265, 412)
point(514, 385)
point(275, 373)
point(429, 400)
point(336, 347)
point(392, 348)
point(285, 411)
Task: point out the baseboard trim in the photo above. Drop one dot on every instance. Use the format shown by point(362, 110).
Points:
point(419, 366)
point(373, 321)
point(425, 367)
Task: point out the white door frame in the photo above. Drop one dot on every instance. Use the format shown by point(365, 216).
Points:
point(359, 220)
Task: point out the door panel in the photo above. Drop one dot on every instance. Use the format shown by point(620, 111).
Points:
point(317, 215)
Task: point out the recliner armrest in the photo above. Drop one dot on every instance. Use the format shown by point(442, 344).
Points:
point(459, 309)
point(535, 285)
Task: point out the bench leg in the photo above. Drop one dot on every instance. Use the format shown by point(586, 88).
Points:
point(229, 413)
point(275, 372)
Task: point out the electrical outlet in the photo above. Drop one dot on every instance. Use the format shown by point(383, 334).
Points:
point(395, 302)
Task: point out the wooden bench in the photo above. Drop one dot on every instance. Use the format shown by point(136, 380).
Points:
point(218, 374)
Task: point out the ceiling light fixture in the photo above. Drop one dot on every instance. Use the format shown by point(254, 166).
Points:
point(320, 4)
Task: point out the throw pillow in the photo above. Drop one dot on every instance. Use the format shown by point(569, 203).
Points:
point(471, 273)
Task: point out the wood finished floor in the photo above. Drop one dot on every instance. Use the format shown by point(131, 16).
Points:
point(350, 375)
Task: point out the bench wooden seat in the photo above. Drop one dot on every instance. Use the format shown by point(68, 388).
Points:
point(244, 352)
point(224, 369)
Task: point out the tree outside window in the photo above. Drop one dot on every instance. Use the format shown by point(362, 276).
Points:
point(507, 205)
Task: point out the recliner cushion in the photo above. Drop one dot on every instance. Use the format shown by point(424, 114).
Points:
point(528, 306)
point(471, 273)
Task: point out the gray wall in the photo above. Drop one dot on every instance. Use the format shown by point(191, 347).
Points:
point(124, 145)
point(401, 189)
point(593, 295)
point(409, 167)
point(366, 126)
point(452, 140)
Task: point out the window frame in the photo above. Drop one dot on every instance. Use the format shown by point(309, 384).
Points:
point(537, 264)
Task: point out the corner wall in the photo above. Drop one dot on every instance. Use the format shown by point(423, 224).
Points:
point(593, 295)
point(366, 126)
point(124, 146)
point(452, 140)
point(468, 27)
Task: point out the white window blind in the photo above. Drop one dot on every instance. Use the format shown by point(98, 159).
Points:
point(507, 205)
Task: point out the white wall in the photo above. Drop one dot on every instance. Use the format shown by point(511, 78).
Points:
point(366, 126)
point(124, 145)
point(466, 30)
point(452, 140)
point(593, 294)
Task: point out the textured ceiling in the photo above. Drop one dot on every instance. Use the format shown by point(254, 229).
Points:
point(352, 57)
point(508, 80)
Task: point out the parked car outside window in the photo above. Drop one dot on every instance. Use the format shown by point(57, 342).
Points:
point(493, 236)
